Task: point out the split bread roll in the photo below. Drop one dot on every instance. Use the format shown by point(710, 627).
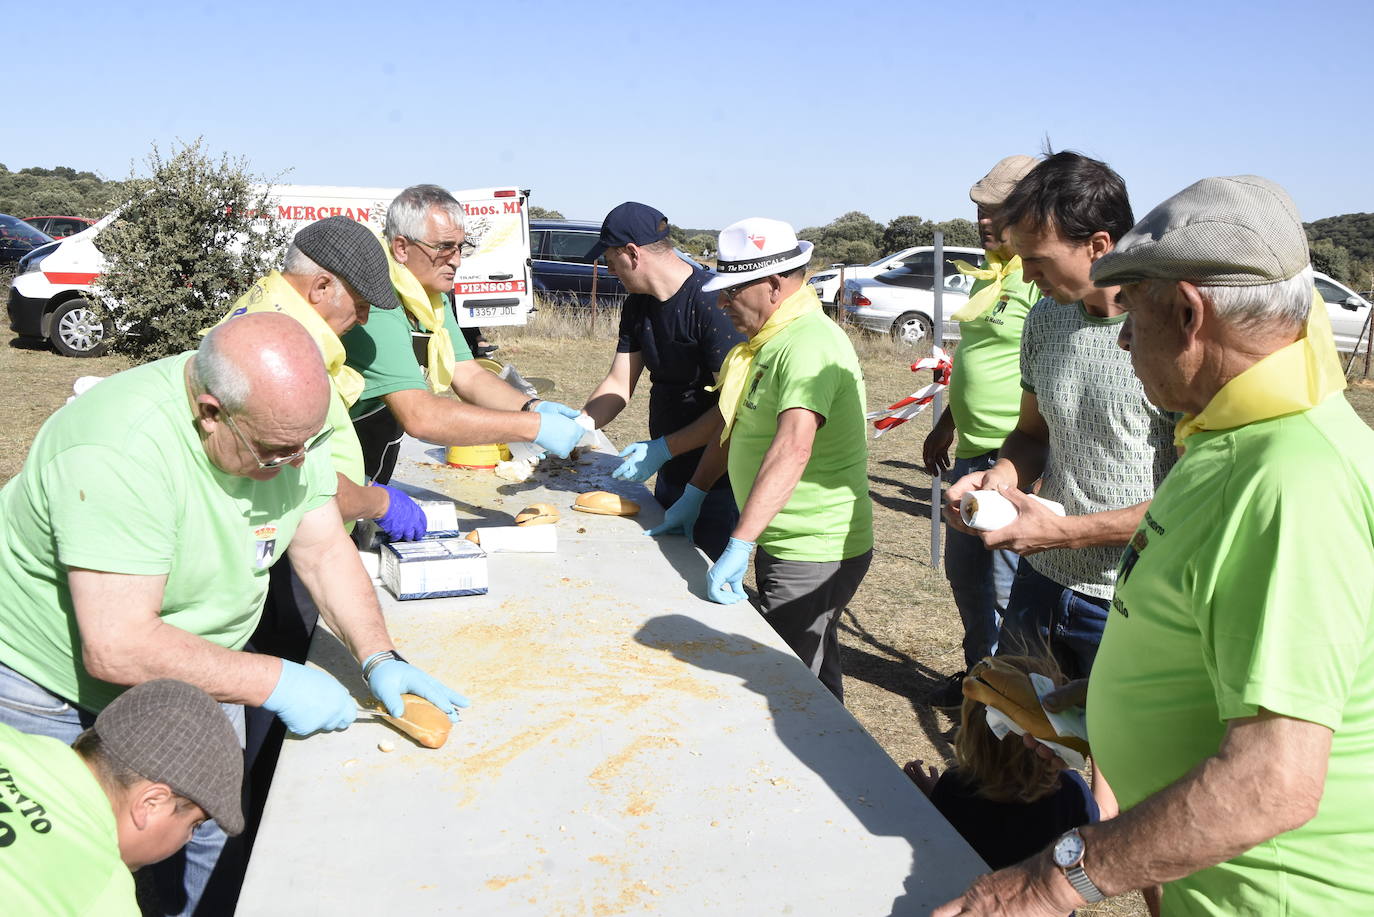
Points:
point(605, 504)
point(538, 514)
point(423, 722)
point(1009, 689)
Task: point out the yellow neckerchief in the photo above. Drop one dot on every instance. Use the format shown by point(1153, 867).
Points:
point(274, 294)
point(997, 271)
point(734, 372)
point(1292, 379)
point(428, 311)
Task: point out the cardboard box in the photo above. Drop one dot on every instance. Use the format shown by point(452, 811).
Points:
point(434, 569)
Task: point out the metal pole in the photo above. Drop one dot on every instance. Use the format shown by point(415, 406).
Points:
point(937, 339)
point(595, 274)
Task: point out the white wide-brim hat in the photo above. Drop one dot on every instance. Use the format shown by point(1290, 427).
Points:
point(754, 248)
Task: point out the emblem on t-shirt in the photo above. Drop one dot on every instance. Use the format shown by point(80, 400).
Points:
point(994, 317)
point(265, 546)
point(1139, 542)
point(753, 389)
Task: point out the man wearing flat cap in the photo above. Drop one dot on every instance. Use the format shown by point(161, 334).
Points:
point(1232, 703)
point(984, 402)
point(796, 444)
point(136, 542)
point(670, 326)
point(75, 821)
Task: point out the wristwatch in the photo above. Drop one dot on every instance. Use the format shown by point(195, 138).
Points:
point(1068, 856)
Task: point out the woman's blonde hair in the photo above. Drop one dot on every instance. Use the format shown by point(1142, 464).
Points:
point(1005, 770)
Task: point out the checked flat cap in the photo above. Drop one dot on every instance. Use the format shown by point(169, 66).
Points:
point(1238, 231)
point(174, 733)
point(350, 250)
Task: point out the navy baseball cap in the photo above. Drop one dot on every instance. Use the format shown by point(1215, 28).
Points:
point(630, 222)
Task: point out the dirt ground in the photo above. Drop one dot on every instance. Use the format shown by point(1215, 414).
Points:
point(901, 634)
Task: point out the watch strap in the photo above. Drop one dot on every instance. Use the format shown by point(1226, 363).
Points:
point(377, 658)
point(1083, 885)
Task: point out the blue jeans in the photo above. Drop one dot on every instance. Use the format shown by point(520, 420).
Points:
point(1042, 614)
point(980, 579)
point(182, 877)
point(719, 514)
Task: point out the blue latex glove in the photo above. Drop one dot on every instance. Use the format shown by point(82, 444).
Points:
point(557, 433)
point(392, 678)
point(642, 459)
point(553, 407)
point(403, 519)
point(725, 579)
point(308, 700)
point(681, 517)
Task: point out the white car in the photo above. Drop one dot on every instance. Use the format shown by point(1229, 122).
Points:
point(901, 302)
point(827, 281)
point(1349, 313)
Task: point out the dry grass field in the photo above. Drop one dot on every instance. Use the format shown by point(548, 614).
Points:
point(901, 634)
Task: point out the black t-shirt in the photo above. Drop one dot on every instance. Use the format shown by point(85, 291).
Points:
point(682, 340)
point(1004, 833)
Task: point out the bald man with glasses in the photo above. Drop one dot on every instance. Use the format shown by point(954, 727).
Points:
point(136, 542)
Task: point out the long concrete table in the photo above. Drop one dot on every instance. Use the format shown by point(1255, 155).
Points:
point(631, 748)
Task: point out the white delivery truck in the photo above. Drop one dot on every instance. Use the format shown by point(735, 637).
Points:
point(52, 298)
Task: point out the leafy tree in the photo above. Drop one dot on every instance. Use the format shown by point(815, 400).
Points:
point(957, 232)
point(192, 238)
point(539, 213)
point(1331, 259)
point(836, 240)
point(905, 232)
point(1353, 232)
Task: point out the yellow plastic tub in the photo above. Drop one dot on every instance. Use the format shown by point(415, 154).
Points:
point(477, 456)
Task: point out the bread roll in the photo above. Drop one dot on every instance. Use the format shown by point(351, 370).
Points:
point(605, 504)
point(473, 537)
point(537, 514)
point(1009, 689)
point(423, 722)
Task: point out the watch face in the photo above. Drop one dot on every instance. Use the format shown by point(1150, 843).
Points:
point(1068, 850)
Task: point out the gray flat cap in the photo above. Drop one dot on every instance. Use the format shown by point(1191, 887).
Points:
point(992, 189)
point(174, 733)
point(348, 249)
point(1238, 231)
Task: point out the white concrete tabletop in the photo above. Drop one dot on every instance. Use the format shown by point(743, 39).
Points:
point(630, 749)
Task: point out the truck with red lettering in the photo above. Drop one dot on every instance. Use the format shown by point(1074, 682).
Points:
point(51, 298)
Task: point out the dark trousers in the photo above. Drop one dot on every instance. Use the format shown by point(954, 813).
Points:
point(1043, 615)
point(802, 601)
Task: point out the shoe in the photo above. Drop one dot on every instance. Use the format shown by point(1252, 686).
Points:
point(950, 692)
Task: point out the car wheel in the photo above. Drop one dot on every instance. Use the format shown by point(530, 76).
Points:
point(911, 328)
point(78, 330)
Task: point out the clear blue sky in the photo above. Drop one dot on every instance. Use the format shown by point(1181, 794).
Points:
point(710, 111)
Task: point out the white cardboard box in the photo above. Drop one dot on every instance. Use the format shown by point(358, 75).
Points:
point(434, 569)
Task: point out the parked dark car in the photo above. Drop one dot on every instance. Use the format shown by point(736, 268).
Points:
point(18, 238)
point(59, 227)
point(560, 266)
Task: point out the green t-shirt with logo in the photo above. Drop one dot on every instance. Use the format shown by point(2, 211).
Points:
point(118, 481)
point(985, 386)
point(809, 364)
point(383, 350)
point(1250, 584)
point(59, 852)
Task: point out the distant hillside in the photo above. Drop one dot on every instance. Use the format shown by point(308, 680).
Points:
point(61, 191)
point(1353, 232)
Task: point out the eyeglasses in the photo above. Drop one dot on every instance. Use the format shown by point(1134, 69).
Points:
point(446, 249)
point(270, 464)
point(731, 292)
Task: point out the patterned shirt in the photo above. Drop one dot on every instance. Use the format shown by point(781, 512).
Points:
point(1109, 447)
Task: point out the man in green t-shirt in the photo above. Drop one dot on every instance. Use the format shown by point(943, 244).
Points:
point(75, 820)
point(136, 543)
point(1232, 705)
point(795, 440)
point(426, 235)
point(984, 401)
